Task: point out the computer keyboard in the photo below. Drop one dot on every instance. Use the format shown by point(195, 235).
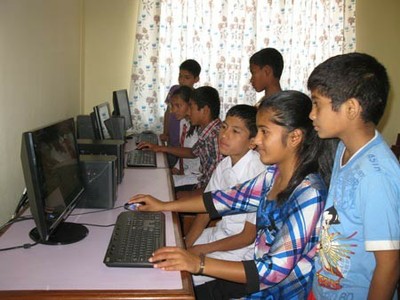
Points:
point(135, 237)
point(141, 158)
point(147, 137)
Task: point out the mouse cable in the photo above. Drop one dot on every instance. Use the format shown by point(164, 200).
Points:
point(96, 211)
point(24, 246)
point(96, 225)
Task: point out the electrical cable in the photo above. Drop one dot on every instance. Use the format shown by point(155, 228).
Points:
point(96, 211)
point(25, 246)
point(96, 225)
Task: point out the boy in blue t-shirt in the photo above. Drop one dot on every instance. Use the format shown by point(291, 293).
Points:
point(358, 255)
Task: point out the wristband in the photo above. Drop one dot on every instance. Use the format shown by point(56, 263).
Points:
point(202, 264)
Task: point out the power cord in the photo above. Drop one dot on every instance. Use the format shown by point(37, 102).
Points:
point(24, 246)
point(23, 201)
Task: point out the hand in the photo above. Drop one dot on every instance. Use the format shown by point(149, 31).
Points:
point(175, 259)
point(148, 203)
point(176, 171)
point(147, 146)
point(164, 137)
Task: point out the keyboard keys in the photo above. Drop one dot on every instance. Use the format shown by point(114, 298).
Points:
point(135, 237)
point(141, 158)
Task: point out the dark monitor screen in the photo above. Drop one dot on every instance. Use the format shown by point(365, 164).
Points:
point(102, 113)
point(53, 179)
point(122, 108)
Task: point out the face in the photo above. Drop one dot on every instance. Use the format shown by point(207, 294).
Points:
point(327, 122)
point(179, 107)
point(195, 114)
point(234, 138)
point(269, 139)
point(258, 77)
point(187, 78)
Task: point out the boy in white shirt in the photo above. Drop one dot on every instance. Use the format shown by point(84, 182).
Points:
point(232, 238)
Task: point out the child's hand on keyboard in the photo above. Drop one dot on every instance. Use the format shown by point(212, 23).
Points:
point(148, 203)
point(149, 146)
point(175, 259)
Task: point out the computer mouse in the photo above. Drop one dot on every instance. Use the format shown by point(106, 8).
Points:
point(132, 206)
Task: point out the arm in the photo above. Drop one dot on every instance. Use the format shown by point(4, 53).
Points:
point(386, 275)
point(237, 241)
point(199, 223)
point(149, 203)
point(189, 194)
point(178, 259)
point(177, 151)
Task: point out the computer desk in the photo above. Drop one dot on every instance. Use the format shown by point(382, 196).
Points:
point(77, 271)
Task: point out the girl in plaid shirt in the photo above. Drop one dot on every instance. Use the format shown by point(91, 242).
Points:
point(288, 198)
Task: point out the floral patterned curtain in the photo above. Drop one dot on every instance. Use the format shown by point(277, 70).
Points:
point(222, 35)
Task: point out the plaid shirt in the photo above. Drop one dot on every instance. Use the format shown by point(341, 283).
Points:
point(286, 235)
point(206, 148)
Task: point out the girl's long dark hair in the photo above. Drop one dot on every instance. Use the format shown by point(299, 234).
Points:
point(184, 92)
point(291, 110)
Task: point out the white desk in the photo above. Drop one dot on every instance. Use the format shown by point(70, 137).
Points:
point(77, 271)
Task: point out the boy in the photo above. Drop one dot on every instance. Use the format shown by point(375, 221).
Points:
point(358, 253)
point(266, 68)
point(189, 72)
point(204, 112)
point(233, 237)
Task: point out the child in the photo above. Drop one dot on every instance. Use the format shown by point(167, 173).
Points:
point(189, 72)
point(232, 238)
point(266, 68)
point(358, 253)
point(186, 171)
point(204, 112)
point(288, 196)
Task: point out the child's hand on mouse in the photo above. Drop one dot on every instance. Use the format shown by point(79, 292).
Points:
point(148, 203)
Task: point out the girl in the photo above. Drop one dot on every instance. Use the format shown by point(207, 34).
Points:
point(186, 170)
point(288, 197)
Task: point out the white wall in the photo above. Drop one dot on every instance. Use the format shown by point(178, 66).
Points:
point(40, 78)
point(378, 27)
point(109, 31)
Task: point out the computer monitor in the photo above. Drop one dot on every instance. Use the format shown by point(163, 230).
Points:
point(101, 113)
point(121, 107)
point(50, 163)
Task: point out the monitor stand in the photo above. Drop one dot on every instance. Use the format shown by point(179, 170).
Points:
point(65, 233)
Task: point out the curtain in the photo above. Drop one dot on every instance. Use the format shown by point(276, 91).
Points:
point(222, 35)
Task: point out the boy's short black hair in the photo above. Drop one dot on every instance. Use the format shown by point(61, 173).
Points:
point(248, 114)
point(269, 57)
point(192, 66)
point(353, 75)
point(207, 96)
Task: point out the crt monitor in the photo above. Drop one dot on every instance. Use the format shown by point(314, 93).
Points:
point(121, 107)
point(101, 113)
point(50, 163)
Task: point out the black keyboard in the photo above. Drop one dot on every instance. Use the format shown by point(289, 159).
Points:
point(135, 237)
point(141, 158)
point(147, 137)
